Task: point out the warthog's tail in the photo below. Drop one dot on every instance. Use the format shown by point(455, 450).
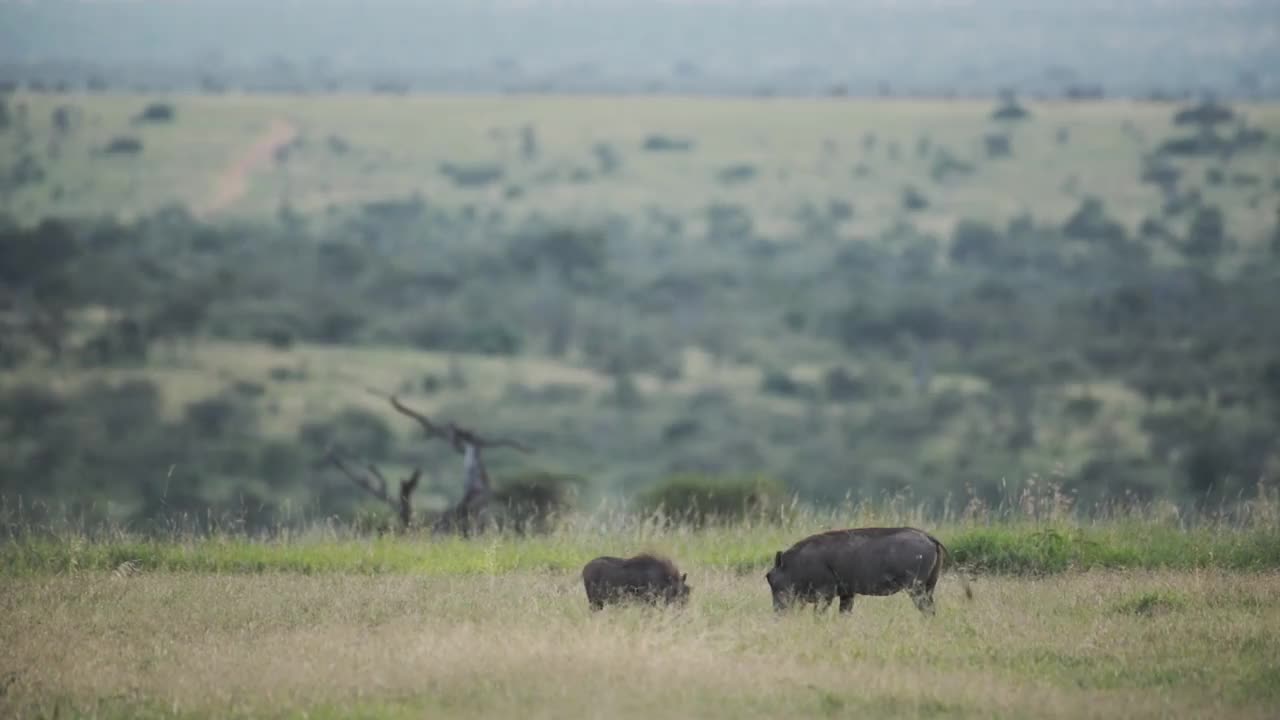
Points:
point(944, 552)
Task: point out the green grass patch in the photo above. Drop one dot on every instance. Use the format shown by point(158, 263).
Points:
point(746, 548)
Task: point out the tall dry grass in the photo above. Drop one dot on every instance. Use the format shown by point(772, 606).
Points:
point(1128, 644)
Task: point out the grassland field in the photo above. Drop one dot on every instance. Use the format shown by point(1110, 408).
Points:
point(340, 151)
point(1124, 619)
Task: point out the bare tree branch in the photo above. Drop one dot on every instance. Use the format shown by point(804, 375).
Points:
point(363, 481)
point(403, 504)
point(430, 427)
point(457, 436)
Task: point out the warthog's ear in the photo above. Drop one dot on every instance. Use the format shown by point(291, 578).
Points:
point(684, 577)
point(777, 559)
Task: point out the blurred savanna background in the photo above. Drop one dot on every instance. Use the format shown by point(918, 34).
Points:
point(862, 250)
point(733, 270)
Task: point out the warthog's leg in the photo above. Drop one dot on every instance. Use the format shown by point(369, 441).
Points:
point(846, 603)
point(923, 598)
point(823, 602)
point(595, 599)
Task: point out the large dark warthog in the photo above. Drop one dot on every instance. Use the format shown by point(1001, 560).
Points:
point(863, 561)
point(643, 577)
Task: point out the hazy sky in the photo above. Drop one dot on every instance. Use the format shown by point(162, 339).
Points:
point(1128, 44)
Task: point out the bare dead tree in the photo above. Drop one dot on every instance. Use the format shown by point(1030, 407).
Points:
point(471, 511)
point(402, 503)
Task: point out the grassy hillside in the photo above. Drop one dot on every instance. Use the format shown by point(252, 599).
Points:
point(788, 154)
point(913, 299)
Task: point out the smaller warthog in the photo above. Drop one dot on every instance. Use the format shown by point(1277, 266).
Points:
point(644, 577)
point(863, 561)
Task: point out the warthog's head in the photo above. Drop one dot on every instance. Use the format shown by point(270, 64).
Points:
point(677, 592)
point(781, 584)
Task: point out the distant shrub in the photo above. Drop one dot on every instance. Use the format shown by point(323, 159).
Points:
point(607, 159)
point(975, 242)
point(123, 145)
point(839, 210)
point(453, 335)
point(529, 502)
point(1247, 138)
point(699, 499)
point(63, 118)
point(663, 143)
point(1090, 222)
point(27, 171)
point(281, 373)
point(946, 165)
point(1176, 204)
point(1204, 114)
point(248, 388)
point(776, 382)
point(29, 408)
point(338, 145)
point(1153, 229)
point(998, 146)
point(1082, 408)
point(1206, 238)
point(278, 337)
point(681, 430)
point(478, 175)
point(338, 325)
point(1160, 172)
point(217, 417)
point(736, 174)
point(211, 85)
point(1085, 92)
point(390, 87)
point(913, 200)
point(395, 210)
point(1010, 110)
point(841, 386)
point(727, 222)
point(548, 394)
point(1202, 143)
point(529, 143)
point(156, 113)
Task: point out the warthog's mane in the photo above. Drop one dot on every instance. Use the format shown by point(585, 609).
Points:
point(669, 568)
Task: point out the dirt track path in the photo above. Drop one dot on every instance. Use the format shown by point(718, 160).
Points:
point(233, 182)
